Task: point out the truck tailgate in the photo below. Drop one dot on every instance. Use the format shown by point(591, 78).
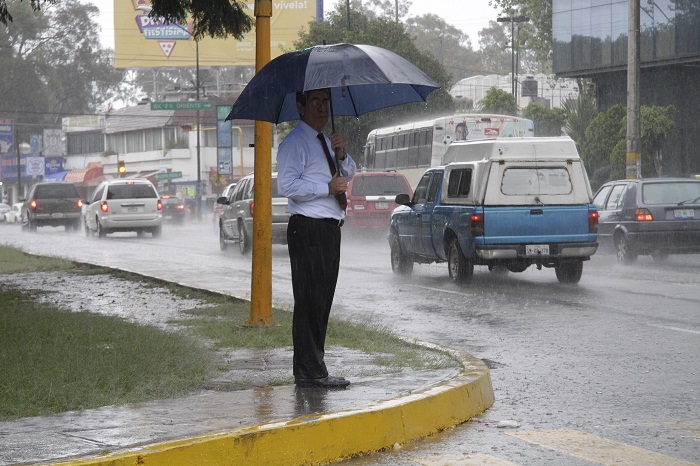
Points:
point(536, 224)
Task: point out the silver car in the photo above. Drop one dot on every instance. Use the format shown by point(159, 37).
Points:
point(236, 222)
point(124, 205)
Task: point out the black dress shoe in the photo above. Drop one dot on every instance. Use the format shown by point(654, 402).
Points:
point(324, 382)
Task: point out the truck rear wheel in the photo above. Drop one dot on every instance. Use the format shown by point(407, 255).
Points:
point(569, 272)
point(461, 269)
point(400, 262)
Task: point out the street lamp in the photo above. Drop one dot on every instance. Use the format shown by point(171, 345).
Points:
point(512, 20)
point(198, 191)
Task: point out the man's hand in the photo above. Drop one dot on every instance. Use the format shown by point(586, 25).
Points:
point(338, 146)
point(337, 185)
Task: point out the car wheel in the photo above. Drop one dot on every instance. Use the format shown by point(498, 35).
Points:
point(88, 232)
point(461, 269)
point(624, 251)
point(156, 232)
point(223, 245)
point(400, 262)
point(101, 231)
point(243, 240)
point(569, 272)
point(32, 225)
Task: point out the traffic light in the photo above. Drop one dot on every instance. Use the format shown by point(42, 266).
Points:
point(121, 168)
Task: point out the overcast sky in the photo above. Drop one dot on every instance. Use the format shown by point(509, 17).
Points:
point(470, 16)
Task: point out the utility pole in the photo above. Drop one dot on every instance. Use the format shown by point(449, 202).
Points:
point(512, 20)
point(634, 158)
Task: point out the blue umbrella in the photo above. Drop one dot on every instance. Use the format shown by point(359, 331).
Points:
point(362, 78)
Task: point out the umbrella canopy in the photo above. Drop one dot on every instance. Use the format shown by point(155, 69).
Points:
point(362, 78)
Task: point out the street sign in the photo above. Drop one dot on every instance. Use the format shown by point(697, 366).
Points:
point(193, 105)
point(162, 176)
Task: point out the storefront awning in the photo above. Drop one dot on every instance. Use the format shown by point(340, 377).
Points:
point(90, 176)
point(58, 176)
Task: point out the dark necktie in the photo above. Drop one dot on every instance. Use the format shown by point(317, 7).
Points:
point(342, 197)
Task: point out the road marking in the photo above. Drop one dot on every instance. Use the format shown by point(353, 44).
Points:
point(462, 460)
point(597, 449)
point(692, 427)
point(676, 329)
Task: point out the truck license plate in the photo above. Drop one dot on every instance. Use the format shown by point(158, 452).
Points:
point(381, 205)
point(537, 249)
point(683, 213)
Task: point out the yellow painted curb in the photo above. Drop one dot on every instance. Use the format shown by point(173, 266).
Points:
point(327, 437)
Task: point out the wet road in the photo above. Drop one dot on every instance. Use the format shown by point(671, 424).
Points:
point(606, 372)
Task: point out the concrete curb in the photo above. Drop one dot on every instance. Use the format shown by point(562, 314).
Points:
point(326, 437)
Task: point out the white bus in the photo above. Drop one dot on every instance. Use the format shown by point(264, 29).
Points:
point(412, 147)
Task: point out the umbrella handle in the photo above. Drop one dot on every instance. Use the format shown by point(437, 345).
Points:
point(330, 103)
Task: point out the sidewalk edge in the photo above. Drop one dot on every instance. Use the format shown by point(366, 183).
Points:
point(326, 437)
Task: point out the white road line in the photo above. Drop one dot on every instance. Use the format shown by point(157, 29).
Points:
point(462, 460)
point(676, 329)
point(597, 449)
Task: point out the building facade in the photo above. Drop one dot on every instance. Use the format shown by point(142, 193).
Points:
point(590, 41)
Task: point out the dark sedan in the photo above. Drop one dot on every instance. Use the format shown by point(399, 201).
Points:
point(652, 216)
point(174, 209)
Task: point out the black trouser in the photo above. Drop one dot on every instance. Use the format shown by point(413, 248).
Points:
point(314, 253)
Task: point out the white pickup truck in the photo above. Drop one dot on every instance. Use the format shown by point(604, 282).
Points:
point(503, 203)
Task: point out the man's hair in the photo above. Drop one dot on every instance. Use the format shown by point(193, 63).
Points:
point(303, 96)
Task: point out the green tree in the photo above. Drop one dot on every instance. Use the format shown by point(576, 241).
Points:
point(495, 49)
point(53, 65)
point(215, 18)
point(579, 113)
point(538, 37)
point(606, 129)
point(547, 121)
point(657, 125)
point(388, 34)
point(446, 44)
point(499, 101)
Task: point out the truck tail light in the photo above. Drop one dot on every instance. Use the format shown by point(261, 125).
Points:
point(251, 208)
point(643, 215)
point(477, 225)
point(104, 207)
point(32, 205)
point(593, 221)
point(159, 205)
point(80, 203)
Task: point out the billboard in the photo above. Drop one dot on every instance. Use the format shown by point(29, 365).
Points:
point(7, 133)
point(143, 42)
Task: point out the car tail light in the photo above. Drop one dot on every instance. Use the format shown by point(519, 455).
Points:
point(181, 207)
point(33, 204)
point(160, 204)
point(80, 203)
point(251, 207)
point(643, 215)
point(593, 221)
point(104, 207)
point(477, 225)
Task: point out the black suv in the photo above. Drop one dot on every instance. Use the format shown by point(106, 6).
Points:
point(656, 216)
point(52, 204)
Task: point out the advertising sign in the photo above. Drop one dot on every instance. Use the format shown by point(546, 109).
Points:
point(53, 143)
point(143, 42)
point(224, 142)
point(8, 164)
point(7, 136)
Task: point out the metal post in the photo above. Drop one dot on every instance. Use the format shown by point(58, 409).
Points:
point(512, 20)
point(634, 159)
point(198, 191)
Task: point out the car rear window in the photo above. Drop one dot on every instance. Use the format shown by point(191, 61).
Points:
point(131, 191)
point(379, 185)
point(523, 181)
point(53, 191)
point(671, 193)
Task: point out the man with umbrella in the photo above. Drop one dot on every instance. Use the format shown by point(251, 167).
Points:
point(314, 181)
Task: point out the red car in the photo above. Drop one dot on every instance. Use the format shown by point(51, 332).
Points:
point(371, 198)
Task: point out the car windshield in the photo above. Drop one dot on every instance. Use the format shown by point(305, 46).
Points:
point(671, 192)
point(379, 185)
point(131, 191)
point(54, 191)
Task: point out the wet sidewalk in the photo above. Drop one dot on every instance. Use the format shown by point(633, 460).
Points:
point(214, 426)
